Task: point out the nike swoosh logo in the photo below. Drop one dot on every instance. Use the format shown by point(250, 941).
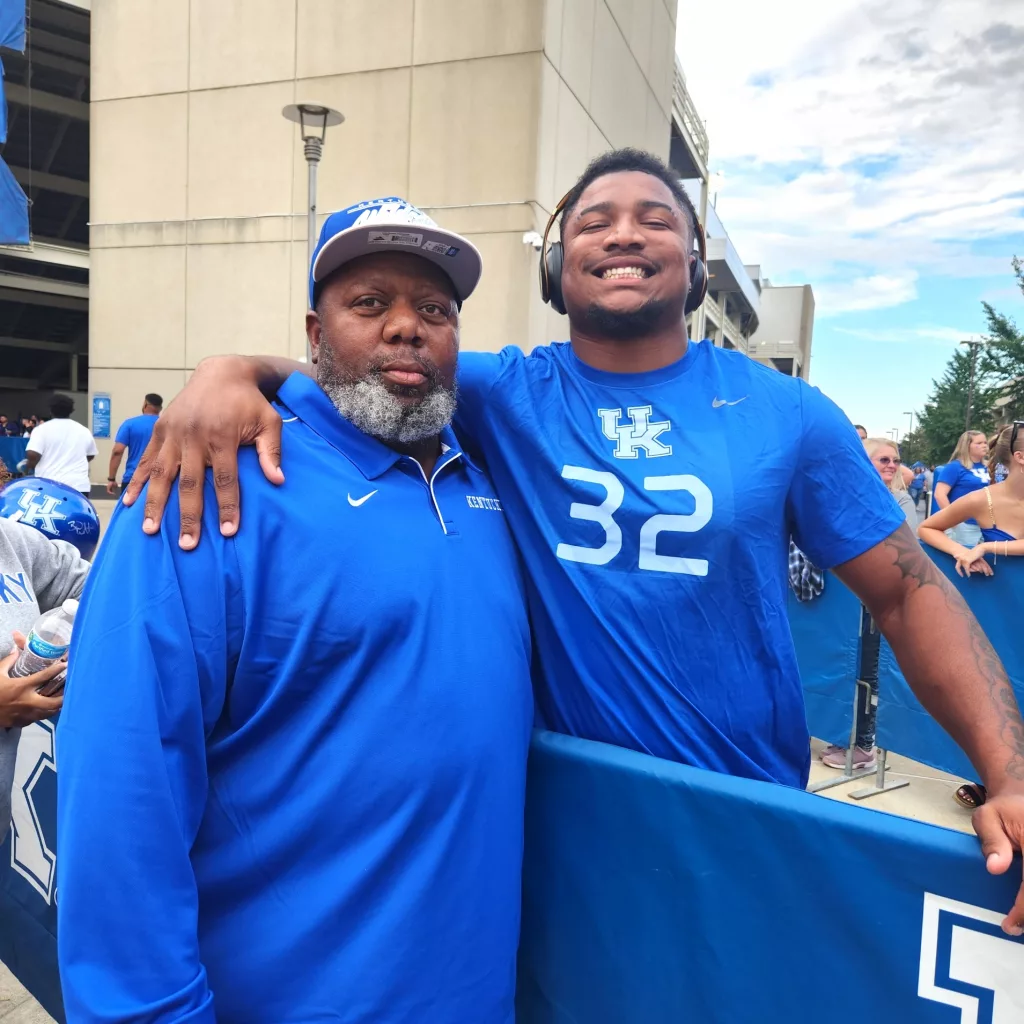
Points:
point(717, 403)
point(356, 502)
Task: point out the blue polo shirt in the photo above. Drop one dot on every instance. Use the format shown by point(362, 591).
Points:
point(135, 433)
point(292, 763)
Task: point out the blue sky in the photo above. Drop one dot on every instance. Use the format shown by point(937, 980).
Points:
point(873, 148)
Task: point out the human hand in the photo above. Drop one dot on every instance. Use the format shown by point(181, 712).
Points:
point(20, 702)
point(111, 487)
point(999, 823)
point(970, 560)
point(220, 409)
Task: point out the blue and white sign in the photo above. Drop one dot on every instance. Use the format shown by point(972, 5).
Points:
point(101, 415)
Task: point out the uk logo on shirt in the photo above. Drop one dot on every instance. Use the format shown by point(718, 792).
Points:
point(637, 434)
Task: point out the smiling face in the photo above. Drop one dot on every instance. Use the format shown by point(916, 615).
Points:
point(626, 264)
point(887, 461)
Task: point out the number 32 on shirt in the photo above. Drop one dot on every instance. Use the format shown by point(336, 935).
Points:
point(604, 515)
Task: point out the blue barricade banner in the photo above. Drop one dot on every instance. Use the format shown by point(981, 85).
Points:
point(12, 24)
point(903, 724)
point(12, 451)
point(826, 633)
point(661, 894)
point(28, 909)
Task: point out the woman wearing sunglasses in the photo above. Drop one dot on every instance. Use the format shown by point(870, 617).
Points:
point(998, 508)
point(885, 457)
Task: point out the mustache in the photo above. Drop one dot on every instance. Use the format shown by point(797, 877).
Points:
point(426, 366)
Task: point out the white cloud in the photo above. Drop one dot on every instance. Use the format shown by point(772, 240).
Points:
point(875, 292)
point(866, 142)
point(902, 335)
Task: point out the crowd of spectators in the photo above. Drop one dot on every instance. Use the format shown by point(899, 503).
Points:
point(18, 427)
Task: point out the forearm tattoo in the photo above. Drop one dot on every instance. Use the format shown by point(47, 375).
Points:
point(919, 571)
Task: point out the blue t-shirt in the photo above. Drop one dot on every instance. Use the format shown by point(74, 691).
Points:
point(653, 512)
point(309, 803)
point(134, 433)
point(963, 481)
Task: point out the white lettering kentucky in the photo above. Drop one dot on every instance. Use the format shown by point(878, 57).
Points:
point(475, 501)
point(639, 433)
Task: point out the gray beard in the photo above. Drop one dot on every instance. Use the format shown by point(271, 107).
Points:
point(368, 405)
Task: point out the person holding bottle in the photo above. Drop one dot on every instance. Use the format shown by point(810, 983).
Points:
point(36, 575)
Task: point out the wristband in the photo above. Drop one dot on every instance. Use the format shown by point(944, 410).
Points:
point(111, 479)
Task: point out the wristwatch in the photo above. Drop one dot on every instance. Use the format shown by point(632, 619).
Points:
point(111, 479)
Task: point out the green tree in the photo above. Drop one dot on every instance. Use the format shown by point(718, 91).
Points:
point(1003, 356)
point(941, 422)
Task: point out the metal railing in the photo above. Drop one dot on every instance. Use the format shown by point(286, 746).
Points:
point(683, 105)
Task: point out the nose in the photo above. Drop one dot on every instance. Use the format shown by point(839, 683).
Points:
point(402, 325)
point(625, 234)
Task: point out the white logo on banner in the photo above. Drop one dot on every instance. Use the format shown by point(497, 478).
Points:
point(638, 433)
point(31, 855)
point(961, 950)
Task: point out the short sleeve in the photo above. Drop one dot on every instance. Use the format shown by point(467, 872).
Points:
point(478, 372)
point(949, 474)
point(35, 442)
point(123, 434)
point(838, 506)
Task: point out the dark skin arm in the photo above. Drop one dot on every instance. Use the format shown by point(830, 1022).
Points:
point(958, 677)
point(32, 458)
point(221, 409)
point(955, 672)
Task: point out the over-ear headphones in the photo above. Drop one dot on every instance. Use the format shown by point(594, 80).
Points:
point(551, 267)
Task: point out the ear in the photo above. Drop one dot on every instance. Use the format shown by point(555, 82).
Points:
point(313, 329)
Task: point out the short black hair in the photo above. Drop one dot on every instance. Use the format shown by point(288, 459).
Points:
point(154, 400)
point(630, 159)
point(858, 426)
point(62, 406)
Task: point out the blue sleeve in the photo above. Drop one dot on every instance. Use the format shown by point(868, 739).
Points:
point(950, 474)
point(124, 434)
point(838, 506)
point(153, 646)
point(478, 373)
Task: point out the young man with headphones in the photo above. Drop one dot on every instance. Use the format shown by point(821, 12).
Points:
point(652, 486)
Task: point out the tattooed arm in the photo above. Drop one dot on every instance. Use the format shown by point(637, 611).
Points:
point(951, 666)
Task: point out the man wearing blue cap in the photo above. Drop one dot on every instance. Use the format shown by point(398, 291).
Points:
point(309, 802)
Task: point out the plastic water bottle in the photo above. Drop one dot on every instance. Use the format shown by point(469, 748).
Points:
point(48, 641)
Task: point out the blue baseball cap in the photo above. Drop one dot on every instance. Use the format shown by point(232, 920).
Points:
point(393, 225)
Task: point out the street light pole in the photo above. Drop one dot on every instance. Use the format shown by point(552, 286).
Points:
point(314, 120)
point(974, 345)
point(911, 415)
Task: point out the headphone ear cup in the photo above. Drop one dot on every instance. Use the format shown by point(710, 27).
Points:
point(698, 285)
point(551, 278)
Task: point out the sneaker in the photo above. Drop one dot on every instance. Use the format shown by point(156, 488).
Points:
point(863, 760)
point(832, 748)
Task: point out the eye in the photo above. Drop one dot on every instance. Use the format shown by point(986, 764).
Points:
point(594, 225)
point(434, 309)
point(369, 302)
point(657, 223)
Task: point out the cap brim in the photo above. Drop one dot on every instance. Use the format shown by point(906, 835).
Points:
point(455, 255)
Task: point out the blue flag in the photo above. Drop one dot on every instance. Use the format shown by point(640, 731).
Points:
point(12, 24)
point(3, 105)
point(13, 209)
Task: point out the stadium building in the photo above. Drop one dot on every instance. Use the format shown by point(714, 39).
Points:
point(169, 194)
